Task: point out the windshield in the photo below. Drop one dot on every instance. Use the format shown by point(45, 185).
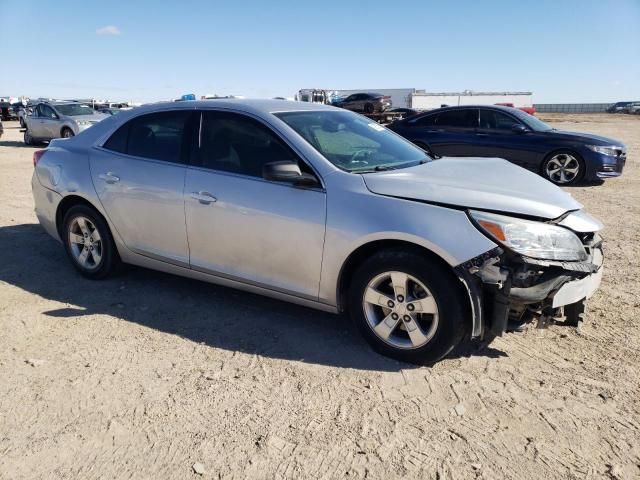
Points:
point(74, 109)
point(353, 142)
point(530, 121)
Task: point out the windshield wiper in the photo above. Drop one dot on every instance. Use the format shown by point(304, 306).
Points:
point(386, 168)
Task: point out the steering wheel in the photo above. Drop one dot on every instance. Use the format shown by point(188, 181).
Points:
point(360, 157)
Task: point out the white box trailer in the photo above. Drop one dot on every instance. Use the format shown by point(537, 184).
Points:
point(421, 100)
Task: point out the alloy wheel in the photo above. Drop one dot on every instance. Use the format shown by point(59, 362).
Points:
point(562, 168)
point(400, 310)
point(85, 243)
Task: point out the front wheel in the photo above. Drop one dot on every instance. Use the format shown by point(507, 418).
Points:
point(88, 242)
point(407, 306)
point(563, 168)
point(369, 108)
point(67, 133)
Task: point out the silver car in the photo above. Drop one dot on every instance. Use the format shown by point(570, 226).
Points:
point(325, 208)
point(58, 120)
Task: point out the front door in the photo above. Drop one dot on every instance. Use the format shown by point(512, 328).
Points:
point(139, 176)
point(242, 226)
point(496, 137)
point(49, 122)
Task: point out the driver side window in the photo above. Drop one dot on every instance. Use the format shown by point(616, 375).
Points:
point(47, 112)
point(494, 120)
point(231, 142)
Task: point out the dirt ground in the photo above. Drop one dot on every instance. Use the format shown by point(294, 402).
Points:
point(146, 374)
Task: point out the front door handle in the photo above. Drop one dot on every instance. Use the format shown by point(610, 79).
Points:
point(205, 198)
point(109, 177)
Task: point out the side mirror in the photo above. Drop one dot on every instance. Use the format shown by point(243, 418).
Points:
point(519, 128)
point(288, 172)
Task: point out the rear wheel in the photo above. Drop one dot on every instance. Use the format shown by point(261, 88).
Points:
point(88, 242)
point(407, 306)
point(563, 168)
point(67, 132)
point(28, 139)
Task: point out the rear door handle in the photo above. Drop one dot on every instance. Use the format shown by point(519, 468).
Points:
point(205, 198)
point(109, 177)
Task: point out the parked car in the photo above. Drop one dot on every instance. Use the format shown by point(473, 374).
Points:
point(618, 107)
point(530, 110)
point(492, 131)
point(325, 208)
point(633, 108)
point(56, 120)
point(366, 102)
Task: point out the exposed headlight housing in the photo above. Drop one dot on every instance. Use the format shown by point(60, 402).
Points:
point(610, 150)
point(532, 239)
point(83, 123)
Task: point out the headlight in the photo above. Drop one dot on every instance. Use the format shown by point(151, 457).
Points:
point(532, 239)
point(83, 123)
point(605, 150)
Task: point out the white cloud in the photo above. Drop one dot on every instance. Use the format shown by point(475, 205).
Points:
point(108, 30)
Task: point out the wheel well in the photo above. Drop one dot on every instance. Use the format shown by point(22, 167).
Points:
point(64, 206)
point(64, 128)
point(364, 252)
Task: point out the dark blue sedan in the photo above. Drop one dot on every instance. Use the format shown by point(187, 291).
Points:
point(504, 132)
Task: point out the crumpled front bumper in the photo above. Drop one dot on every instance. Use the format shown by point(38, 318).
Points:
point(577, 290)
point(503, 286)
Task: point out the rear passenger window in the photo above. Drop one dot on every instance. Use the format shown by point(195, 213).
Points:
point(426, 121)
point(159, 136)
point(463, 118)
point(118, 141)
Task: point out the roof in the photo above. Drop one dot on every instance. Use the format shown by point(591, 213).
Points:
point(255, 106)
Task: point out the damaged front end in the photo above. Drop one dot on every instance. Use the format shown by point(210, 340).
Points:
point(507, 288)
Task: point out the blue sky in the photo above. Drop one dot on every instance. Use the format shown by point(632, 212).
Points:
point(563, 51)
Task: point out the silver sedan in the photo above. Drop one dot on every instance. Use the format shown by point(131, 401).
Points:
point(325, 208)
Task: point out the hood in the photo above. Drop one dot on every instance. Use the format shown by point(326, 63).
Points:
point(587, 137)
point(481, 183)
point(94, 117)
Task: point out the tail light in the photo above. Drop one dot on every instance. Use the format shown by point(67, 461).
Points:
point(37, 155)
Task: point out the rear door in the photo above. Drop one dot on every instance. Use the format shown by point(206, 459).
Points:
point(139, 176)
point(49, 122)
point(448, 133)
point(33, 123)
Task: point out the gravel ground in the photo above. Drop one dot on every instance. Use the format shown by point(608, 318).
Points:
point(147, 375)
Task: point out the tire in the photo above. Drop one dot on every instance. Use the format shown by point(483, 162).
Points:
point(573, 165)
point(28, 139)
point(368, 108)
point(93, 268)
point(67, 133)
point(442, 330)
point(22, 124)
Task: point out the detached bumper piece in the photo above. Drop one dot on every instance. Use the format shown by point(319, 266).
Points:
point(513, 289)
